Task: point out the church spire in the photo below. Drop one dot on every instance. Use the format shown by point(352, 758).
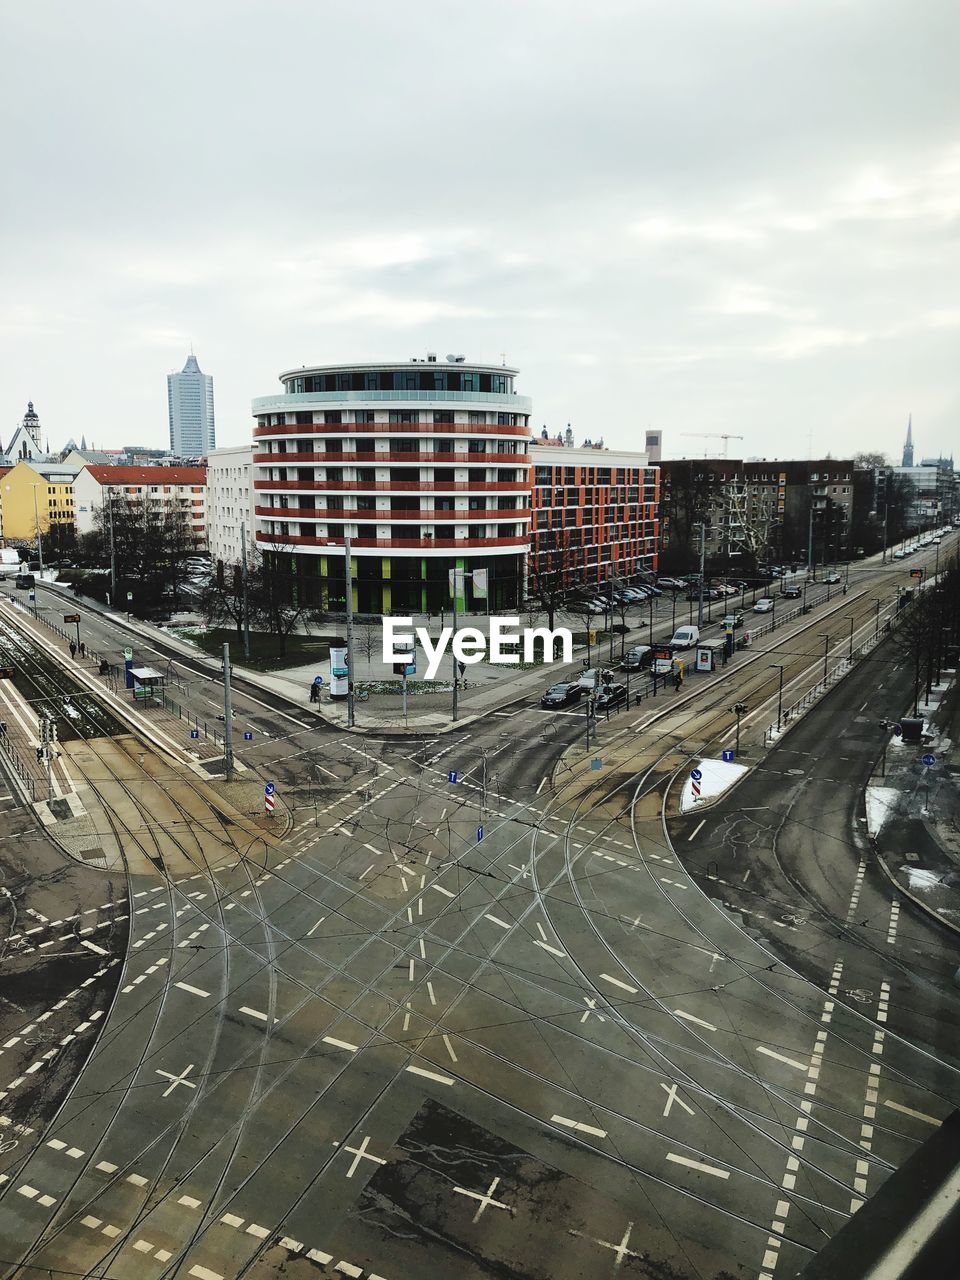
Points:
point(908, 444)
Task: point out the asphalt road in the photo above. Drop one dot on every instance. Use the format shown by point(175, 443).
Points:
point(390, 1046)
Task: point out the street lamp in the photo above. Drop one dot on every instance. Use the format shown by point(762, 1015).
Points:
point(850, 650)
point(36, 513)
point(876, 629)
point(348, 577)
point(775, 666)
point(826, 647)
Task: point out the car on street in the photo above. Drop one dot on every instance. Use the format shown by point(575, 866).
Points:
point(791, 593)
point(764, 605)
point(684, 637)
point(589, 679)
point(732, 619)
point(832, 578)
point(610, 696)
point(561, 695)
point(637, 658)
point(899, 554)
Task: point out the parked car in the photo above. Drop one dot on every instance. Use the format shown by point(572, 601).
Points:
point(561, 695)
point(612, 695)
point(588, 680)
point(637, 658)
point(732, 620)
point(764, 605)
point(791, 593)
point(831, 578)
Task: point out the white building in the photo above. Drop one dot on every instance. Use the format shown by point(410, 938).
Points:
point(230, 502)
point(173, 489)
point(190, 410)
point(422, 464)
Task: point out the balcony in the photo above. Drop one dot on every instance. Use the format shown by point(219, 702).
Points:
point(393, 486)
point(431, 516)
point(391, 429)
point(272, 540)
point(446, 459)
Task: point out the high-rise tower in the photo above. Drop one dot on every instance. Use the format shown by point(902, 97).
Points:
point(190, 408)
point(908, 444)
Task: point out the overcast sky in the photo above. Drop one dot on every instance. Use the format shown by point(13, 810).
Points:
point(732, 216)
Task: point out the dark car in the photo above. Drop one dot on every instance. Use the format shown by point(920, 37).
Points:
point(637, 658)
point(610, 696)
point(791, 593)
point(561, 695)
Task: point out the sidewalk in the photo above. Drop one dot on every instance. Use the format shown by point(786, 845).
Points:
point(913, 812)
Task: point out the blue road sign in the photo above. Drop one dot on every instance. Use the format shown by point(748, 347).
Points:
point(696, 774)
point(452, 776)
point(596, 763)
point(729, 755)
point(318, 679)
point(929, 760)
point(479, 834)
point(194, 733)
point(247, 735)
point(410, 669)
point(269, 788)
point(897, 730)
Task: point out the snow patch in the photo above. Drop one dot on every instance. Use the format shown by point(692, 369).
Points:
point(718, 775)
point(881, 802)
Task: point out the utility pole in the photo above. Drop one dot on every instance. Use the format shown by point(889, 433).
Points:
point(777, 667)
point(243, 579)
point(348, 571)
point(740, 709)
point(886, 507)
point(850, 651)
point(810, 541)
point(227, 716)
point(826, 646)
point(113, 550)
point(703, 561)
point(36, 513)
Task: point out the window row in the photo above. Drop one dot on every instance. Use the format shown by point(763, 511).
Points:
point(418, 379)
point(321, 417)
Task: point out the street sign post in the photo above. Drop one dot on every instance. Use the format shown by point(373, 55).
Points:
point(479, 834)
point(318, 680)
point(929, 761)
point(596, 764)
point(269, 796)
point(898, 730)
point(729, 755)
point(194, 733)
point(695, 777)
point(247, 735)
point(452, 776)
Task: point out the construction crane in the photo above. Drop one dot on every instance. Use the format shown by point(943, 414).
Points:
point(713, 435)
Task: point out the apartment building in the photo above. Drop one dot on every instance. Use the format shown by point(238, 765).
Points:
point(230, 504)
point(172, 490)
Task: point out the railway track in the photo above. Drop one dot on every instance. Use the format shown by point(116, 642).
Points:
point(52, 692)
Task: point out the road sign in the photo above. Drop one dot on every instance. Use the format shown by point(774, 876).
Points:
point(269, 788)
point(479, 834)
point(129, 597)
point(452, 776)
point(898, 730)
point(696, 774)
point(916, 573)
point(696, 789)
point(247, 735)
point(410, 669)
point(929, 760)
point(128, 655)
point(194, 733)
point(729, 755)
point(71, 617)
point(318, 679)
point(269, 802)
point(596, 763)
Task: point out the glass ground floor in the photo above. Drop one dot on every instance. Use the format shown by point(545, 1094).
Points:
point(401, 584)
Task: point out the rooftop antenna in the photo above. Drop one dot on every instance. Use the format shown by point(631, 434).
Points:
point(503, 359)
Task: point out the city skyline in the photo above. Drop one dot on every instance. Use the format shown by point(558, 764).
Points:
point(779, 266)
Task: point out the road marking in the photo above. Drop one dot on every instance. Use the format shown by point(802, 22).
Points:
point(688, 1017)
point(180, 1079)
point(433, 998)
point(696, 830)
point(485, 1200)
point(617, 983)
point(696, 1164)
point(543, 783)
point(194, 991)
point(453, 1056)
point(554, 951)
point(92, 946)
point(674, 1097)
point(360, 1153)
point(340, 1044)
point(189, 1202)
point(580, 1128)
point(431, 1075)
point(254, 1013)
point(440, 889)
point(311, 932)
point(909, 1111)
point(204, 1273)
point(496, 920)
point(771, 1053)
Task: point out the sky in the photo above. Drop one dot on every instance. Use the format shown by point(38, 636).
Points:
point(711, 216)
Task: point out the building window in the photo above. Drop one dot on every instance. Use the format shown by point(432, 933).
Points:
point(444, 416)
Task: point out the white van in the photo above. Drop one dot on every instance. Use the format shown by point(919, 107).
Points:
point(9, 562)
point(685, 637)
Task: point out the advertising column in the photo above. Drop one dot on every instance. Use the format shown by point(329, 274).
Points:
point(339, 672)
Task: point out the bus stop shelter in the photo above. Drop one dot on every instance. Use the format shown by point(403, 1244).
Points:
point(148, 684)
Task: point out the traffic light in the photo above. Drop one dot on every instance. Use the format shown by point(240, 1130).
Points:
point(607, 677)
point(40, 755)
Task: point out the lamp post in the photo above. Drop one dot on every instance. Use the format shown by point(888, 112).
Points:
point(876, 629)
point(776, 666)
point(850, 649)
point(348, 576)
point(36, 513)
point(826, 648)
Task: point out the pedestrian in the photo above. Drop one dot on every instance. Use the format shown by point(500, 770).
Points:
point(73, 650)
point(83, 648)
point(314, 693)
point(677, 681)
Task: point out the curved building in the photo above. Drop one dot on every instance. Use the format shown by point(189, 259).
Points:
point(423, 465)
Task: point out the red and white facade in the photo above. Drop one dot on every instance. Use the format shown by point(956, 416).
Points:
point(423, 465)
point(164, 490)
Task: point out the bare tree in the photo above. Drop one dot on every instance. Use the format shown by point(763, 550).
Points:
point(752, 519)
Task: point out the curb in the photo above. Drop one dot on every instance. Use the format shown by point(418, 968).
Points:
point(917, 902)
